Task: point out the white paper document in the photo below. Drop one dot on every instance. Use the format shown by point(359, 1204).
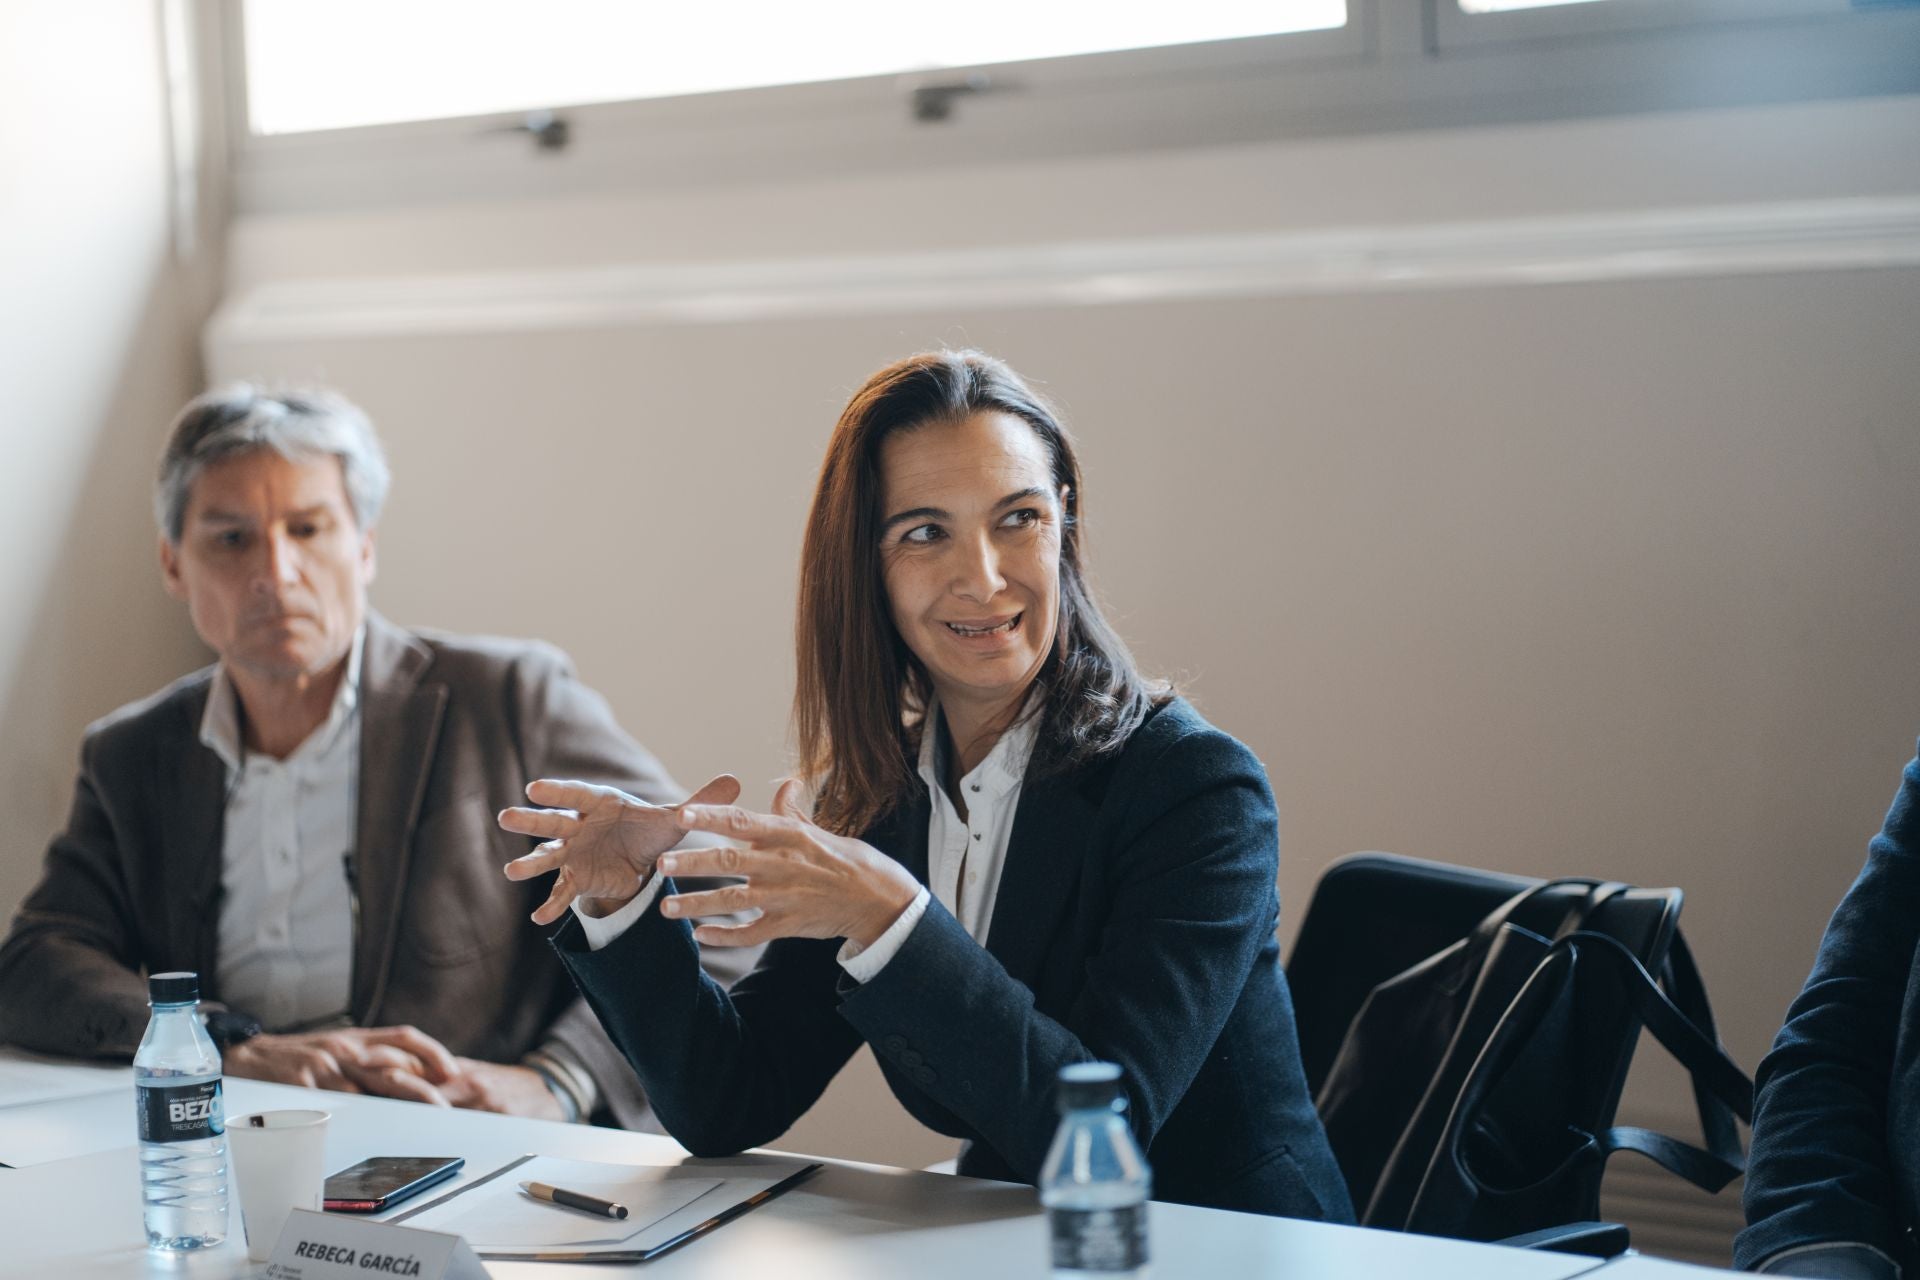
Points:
point(503, 1217)
point(501, 1221)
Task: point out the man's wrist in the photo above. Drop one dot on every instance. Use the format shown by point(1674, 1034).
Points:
point(575, 1095)
point(229, 1028)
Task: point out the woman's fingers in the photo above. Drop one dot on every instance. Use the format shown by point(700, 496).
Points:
point(547, 824)
point(713, 902)
point(742, 824)
point(722, 860)
point(750, 934)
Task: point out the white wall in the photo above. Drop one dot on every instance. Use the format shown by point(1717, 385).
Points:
point(1612, 577)
point(98, 347)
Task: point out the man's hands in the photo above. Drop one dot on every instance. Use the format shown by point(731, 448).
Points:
point(509, 1090)
point(603, 841)
point(804, 881)
point(393, 1062)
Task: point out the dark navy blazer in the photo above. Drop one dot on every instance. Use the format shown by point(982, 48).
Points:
point(1836, 1127)
point(1134, 923)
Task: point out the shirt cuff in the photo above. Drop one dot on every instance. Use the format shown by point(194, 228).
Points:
point(600, 930)
point(863, 964)
point(572, 1085)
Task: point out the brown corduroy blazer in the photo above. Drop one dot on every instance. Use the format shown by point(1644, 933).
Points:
point(452, 728)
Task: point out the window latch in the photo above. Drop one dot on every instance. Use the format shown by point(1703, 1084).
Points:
point(932, 101)
point(548, 129)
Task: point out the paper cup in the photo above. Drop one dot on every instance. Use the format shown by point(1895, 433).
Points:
point(279, 1163)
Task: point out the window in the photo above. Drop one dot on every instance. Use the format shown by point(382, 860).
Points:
point(329, 64)
point(1480, 21)
point(1501, 6)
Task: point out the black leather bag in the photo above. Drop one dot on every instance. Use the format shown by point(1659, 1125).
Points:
point(1527, 1140)
point(1435, 1135)
point(1409, 1048)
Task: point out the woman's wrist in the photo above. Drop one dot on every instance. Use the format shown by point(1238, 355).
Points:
point(894, 893)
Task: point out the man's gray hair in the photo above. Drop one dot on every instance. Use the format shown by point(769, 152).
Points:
point(297, 425)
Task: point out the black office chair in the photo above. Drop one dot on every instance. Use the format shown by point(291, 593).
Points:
point(1374, 916)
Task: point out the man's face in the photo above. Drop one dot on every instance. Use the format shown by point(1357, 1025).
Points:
point(271, 563)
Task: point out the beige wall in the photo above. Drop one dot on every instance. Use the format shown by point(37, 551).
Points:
point(1606, 578)
point(98, 346)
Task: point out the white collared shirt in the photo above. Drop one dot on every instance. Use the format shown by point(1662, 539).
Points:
point(965, 856)
point(286, 920)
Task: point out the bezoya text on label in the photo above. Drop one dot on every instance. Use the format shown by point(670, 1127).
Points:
point(180, 1112)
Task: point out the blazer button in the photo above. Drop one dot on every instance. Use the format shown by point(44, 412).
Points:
point(910, 1059)
point(925, 1075)
point(894, 1044)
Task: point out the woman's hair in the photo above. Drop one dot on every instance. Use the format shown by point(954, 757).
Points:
point(861, 697)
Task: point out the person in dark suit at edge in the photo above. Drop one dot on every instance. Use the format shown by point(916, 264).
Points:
point(308, 822)
point(1021, 854)
point(1833, 1180)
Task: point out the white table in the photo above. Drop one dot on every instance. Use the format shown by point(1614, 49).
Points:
point(72, 1210)
point(1641, 1267)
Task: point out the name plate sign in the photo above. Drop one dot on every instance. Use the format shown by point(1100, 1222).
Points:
point(330, 1246)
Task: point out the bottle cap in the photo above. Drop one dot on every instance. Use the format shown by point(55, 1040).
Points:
point(179, 987)
point(1089, 1085)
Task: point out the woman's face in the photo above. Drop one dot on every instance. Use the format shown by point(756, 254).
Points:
point(970, 551)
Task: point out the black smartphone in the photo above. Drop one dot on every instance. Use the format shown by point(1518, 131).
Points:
point(384, 1181)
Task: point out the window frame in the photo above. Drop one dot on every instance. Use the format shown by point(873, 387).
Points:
point(1396, 65)
point(1454, 28)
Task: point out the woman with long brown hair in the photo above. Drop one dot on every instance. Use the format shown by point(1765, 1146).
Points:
point(1020, 854)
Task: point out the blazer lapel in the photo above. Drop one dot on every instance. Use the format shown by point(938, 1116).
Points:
point(907, 841)
point(399, 730)
point(1042, 870)
point(195, 828)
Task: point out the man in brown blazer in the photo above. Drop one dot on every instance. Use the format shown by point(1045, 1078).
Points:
point(309, 823)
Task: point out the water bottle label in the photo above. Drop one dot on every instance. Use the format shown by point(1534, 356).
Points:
point(1099, 1239)
point(181, 1112)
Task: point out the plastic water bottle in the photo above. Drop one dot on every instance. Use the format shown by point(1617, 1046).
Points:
point(183, 1130)
point(1095, 1183)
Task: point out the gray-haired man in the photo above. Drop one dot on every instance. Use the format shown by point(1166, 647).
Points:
point(309, 823)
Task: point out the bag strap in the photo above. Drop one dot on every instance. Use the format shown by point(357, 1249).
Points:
point(1449, 1187)
point(1720, 1085)
point(1721, 1089)
point(1502, 914)
point(1703, 1169)
point(1577, 914)
point(1717, 1077)
point(1681, 979)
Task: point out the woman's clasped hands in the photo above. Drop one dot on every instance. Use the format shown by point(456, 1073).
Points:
point(801, 880)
